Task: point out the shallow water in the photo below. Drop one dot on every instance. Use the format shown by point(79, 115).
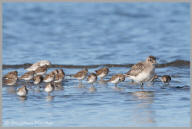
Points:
point(98, 33)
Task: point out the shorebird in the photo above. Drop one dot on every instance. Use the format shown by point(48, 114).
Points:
point(59, 76)
point(58, 86)
point(102, 72)
point(54, 72)
point(117, 78)
point(37, 79)
point(41, 70)
point(11, 75)
point(60, 71)
point(10, 81)
point(49, 88)
point(27, 76)
point(22, 91)
point(142, 71)
point(38, 64)
point(166, 79)
point(49, 77)
point(81, 75)
point(91, 79)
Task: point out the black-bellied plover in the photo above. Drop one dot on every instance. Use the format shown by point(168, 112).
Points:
point(142, 71)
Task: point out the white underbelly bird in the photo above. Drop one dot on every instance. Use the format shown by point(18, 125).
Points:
point(142, 71)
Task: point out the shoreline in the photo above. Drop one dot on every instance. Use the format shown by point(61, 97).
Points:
point(176, 63)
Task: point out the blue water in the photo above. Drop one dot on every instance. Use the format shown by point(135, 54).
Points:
point(98, 33)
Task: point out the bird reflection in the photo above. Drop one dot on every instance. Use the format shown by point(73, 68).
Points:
point(49, 98)
point(59, 87)
point(11, 90)
point(117, 88)
point(143, 113)
point(103, 82)
point(23, 98)
point(81, 85)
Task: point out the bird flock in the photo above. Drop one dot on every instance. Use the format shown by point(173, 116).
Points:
point(37, 73)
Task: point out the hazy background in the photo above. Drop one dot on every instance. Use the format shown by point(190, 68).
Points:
point(95, 33)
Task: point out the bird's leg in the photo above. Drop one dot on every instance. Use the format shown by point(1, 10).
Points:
point(141, 85)
point(80, 83)
point(132, 82)
point(27, 83)
point(115, 85)
point(39, 86)
point(54, 84)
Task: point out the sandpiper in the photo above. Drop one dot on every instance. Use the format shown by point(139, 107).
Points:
point(10, 81)
point(91, 79)
point(54, 72)
point(59, 72)
point(11, 75)
point(59, 77)
point(115, 79)
point(166, 79)
point(58, 86)
point(38, 64)
point(27, 76)
point(37, 79)
point(81, 74)
point(22, 91)
point(102, 72)
point(49, 88)
point(49, 77)
point(142, 71)
point(41, 70)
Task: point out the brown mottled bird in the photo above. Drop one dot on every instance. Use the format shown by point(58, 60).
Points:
point(27, 76)
point(81, 74)
point(59, 76)
point(166, 79)
point(55, 71)
point(10, 81)
point(117, 78)
point(49, 88)
point(91, 79)
point(61, 72)
point(11, 75)
point(22, 91)
point(37, 79)
point(102, 72)
point(41, 70)
point(142, 71)
point(38, 64)
point(49, 77)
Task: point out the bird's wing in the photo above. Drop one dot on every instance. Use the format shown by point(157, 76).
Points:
point(98, 72)
point(113, 77)
point(136, 69)
point(80, 73)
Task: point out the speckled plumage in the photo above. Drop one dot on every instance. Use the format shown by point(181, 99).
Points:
point(142, 71)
